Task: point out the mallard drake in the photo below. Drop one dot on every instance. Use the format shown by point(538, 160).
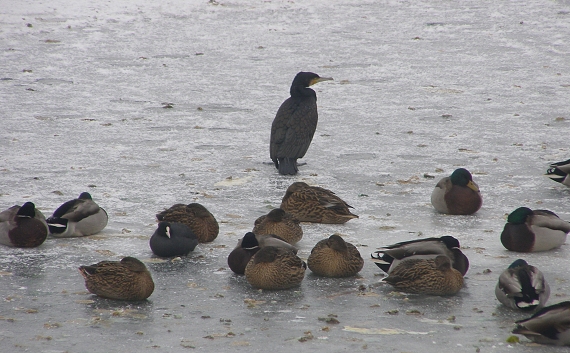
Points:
point(457, 194)
point(315, 204)
point(559, 172)
point(195, 216)
point(172, 239)
point(249, 245)
point(275, 268)
point(549, 325)
point(242, 253)
point(533, 230)
point(295, 123)
point(426, 276)
point(280, 223)
point(23, 226)
point(127, 279)
point(522, 286)
point(388, 257)
point(333, 257)
point(77, 218)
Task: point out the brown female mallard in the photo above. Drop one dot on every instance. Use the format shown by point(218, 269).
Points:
point(127, 279)
point(280, 223)
point(23, 226)
point(249, 245)
point(275, 268)
point(426, 276)
point(333, 257)
point(315, 204)
point(195, 216)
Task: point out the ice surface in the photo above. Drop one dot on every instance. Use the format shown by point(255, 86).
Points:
point(421, 88)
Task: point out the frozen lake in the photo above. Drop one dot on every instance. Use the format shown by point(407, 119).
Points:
point(148, 103)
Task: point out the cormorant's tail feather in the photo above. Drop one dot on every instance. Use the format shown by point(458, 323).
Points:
point(287, 166)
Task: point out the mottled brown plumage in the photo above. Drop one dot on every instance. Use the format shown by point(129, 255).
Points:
point(127, 279)
point(280, 223)
point(333, 257)
point(275, 268)
point(196, 217)
point(315, 204)
point(426, 276)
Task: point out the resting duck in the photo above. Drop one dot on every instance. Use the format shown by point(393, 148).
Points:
point(457, 194)
point(388, 257)
point(533, 230)
point(426, 276)
point(333, 257)
point(550, 325)
point(23, 226)
point(127, 279)
point(172, 239)
point(522, 286)
point(195, 216)
point(77, 218)
point(275, 268)
point(249, 245)
point(280, 223)
point(315, 204)
point(559, 172)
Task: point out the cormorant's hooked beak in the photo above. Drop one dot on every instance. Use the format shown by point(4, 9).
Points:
point(320, 79)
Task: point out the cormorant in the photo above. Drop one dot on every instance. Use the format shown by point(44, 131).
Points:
point(295, 123)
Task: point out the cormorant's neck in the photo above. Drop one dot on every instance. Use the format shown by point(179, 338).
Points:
point(300, 91)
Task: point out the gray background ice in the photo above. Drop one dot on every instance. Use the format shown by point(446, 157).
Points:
point(421, 88)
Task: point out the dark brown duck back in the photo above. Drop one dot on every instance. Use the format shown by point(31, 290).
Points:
point(333, 257)
point(315, 204)
point(196, 217)
point(128, 279)
point(280, 223)
point(275, 268)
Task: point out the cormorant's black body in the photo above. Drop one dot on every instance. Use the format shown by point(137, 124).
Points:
point(295, 124)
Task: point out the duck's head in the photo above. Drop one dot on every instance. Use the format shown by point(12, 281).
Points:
point(462, 177)
point(249, 241)
point(276, 215)
point(442, 263)
point(133, 264)
point(85, 196)
point(518, 263)
point(296, 186)
point(198, 209)
point(27, 210)
point(519, 215)
point(450, 242)
point(336, 242)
